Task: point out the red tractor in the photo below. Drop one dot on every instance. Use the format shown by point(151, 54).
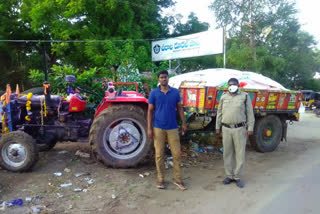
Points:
point(33, 123)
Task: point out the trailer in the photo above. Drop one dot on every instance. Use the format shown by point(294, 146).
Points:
point(273, 111)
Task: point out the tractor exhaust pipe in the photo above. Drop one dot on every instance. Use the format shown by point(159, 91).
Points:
point(46, 83)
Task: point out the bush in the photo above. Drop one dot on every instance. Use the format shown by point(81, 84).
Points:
point(95, 79)
point(87, 79)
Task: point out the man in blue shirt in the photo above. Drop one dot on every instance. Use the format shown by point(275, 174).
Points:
point(164, 102)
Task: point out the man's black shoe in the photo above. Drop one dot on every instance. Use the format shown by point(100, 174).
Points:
point(227, 181)
point(239, 183)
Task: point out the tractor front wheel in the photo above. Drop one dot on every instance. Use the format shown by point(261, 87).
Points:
point(18, 151)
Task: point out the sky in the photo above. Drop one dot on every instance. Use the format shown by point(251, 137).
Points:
point(308, 13)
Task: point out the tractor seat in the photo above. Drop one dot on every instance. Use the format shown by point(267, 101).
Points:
point(35, 100)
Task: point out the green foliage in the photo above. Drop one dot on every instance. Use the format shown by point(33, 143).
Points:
point(110, 21)
point(266, 38)
point(238, 56)
point(150, 81)
point(85, 79)
point(36, 77)
point(193, 25)
point(15, 58)
point(313, 84)
point(105, 20)
point(197, 63)
point(93, 78)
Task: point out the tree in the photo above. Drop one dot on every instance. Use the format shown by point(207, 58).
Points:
point(193, 25)
point(251, 18)
point(15, 58)
point(266, 38)
point(109, 21)
point(293, 63)
point(93, 20)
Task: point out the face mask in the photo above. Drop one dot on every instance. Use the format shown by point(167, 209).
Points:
point(233, 88)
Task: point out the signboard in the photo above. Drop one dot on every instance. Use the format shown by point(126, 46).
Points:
point(193, 45)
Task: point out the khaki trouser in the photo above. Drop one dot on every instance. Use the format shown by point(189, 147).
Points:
point(234, 148)
point(160, 136)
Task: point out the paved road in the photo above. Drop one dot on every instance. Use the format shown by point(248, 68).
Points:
point(286, 181)
point(301, 195)
point(301, 191)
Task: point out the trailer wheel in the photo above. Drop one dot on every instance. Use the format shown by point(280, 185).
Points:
point(267, 134)
point(18, 151)
point(118, 136)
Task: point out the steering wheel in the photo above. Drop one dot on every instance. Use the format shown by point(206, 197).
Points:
point(87, 91)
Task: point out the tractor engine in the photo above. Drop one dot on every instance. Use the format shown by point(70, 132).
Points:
point(61, 121)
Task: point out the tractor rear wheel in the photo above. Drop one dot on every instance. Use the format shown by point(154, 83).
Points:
point(118, 136)
point(18, 151)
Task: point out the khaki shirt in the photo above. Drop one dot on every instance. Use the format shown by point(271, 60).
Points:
point(235, 109)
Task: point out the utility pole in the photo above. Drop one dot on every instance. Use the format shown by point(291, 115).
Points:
point(224, 47)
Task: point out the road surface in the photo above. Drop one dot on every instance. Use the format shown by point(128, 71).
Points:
point(286, 181)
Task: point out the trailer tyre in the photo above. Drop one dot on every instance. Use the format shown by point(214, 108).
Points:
point(267, 134)
point(118, 136)
point(18, 151)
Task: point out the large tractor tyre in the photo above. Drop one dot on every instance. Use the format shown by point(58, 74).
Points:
point(18, 151)
point(36, 91)
point(118, 136)
point(267, 134)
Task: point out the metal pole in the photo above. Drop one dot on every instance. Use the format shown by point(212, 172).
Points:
point(169, 65)
point(46, 84)
point(224, 47)
point(179, 64)
point(45, 63)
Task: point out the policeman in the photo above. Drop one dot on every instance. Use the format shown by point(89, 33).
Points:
point(235, 117)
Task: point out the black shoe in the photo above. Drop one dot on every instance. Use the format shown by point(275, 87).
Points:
point(227, 181)
point(239, 183)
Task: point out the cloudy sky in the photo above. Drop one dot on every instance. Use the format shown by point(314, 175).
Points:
point(308, 13)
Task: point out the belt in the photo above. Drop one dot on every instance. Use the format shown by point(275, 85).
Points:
point(235, 125)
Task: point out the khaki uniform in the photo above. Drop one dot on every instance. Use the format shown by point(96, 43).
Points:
point(234, 110)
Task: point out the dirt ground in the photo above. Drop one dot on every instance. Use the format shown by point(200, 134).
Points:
point(127, 191)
